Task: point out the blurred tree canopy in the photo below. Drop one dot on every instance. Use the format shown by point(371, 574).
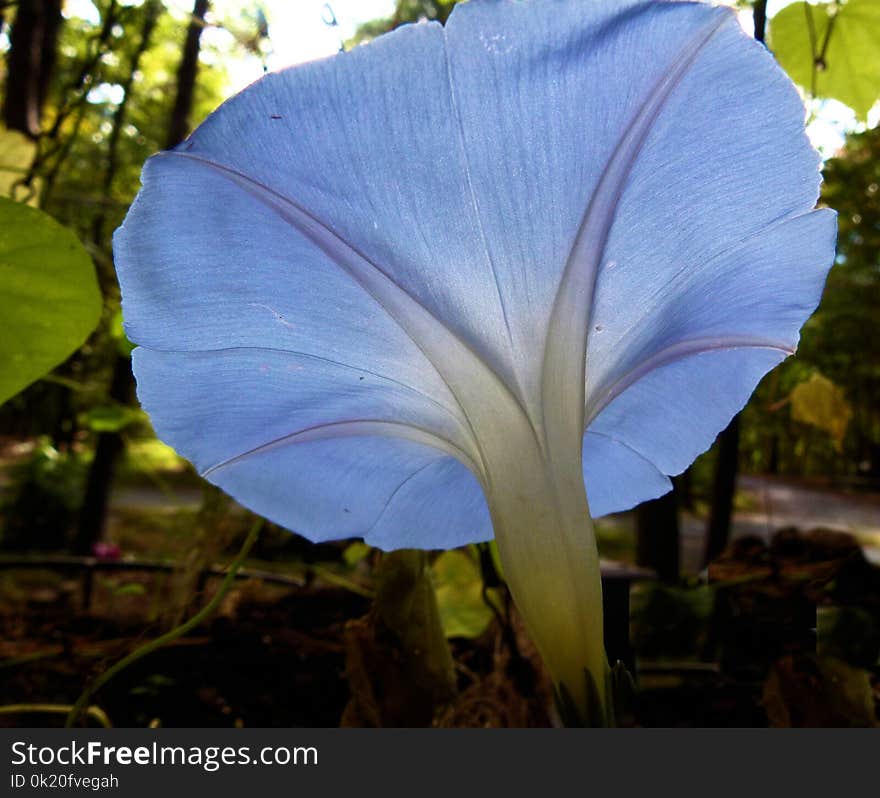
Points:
point(840, 342)
point(405, 11)
point(87, 99)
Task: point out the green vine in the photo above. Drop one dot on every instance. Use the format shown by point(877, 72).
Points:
point(173, 634)
point(96, 713)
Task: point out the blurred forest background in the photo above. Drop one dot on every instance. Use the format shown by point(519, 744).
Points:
point(107, 538)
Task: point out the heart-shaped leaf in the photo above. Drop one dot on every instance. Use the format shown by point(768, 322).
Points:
point(49, 297)
point(831, 50)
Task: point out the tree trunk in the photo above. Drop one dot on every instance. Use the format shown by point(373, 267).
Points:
point(30, 62)
point(759, 16)
point(718, 532)
point(186, 77)
point(152, 11)
point(109, 446)
point(100, 479)
point(658, 536)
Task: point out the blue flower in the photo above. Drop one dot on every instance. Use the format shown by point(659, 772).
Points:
point(428, 290)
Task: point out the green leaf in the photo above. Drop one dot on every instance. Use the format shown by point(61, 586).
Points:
point(113, 418)
point(49, 297)
point(130, 589)
point(820, 403)
point(16, 153)
point(117, 333)
point(459, 586)
point(355, 552)
point(843, 64)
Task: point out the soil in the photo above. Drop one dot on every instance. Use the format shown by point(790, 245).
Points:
point(263, 663)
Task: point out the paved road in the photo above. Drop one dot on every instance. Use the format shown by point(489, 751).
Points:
point(779, 503)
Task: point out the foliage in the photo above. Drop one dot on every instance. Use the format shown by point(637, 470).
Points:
point(16, 149)
point(355, 553)
point(832, 50)
point(42, 499)
point(108, 107)
point(819, 402)
point(77, 156)
point(406, 11)
point(48, 298)
point(841, 340)
point(459, 585)
point(113, 418)
point(671, 621)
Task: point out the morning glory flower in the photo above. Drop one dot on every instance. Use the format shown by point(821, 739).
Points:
point(492, 278)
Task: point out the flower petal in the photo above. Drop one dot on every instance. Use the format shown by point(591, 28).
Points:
point(714, 259)
point(666, 156)
point(204, 266)
point(443, 503)
point(316, 447)
point(367, 144)
point(754, 295)
point(317, 237)
point(563, 84)
point(578, 215)
point(615, 473)
point(675, 412)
